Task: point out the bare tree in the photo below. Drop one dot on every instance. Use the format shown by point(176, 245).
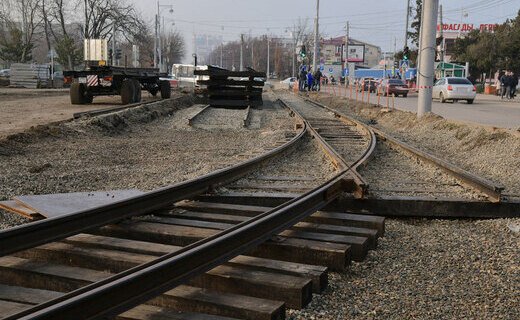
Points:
point(101, 16)
point(21, 21)
point(173, 47)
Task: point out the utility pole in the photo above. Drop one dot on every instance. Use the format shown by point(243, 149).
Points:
point(316, 36)
point(222, 47)
point(347, 67)
point(419, 53)
point(113, 62)
point(252, 53)
point(154, 45)
point(427, 49)
point(407, 24)
point(441, 34)
point(241, 52)
point(268, 57)
point(159, 54)
point(294, 52)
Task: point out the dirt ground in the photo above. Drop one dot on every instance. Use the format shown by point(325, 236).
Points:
point(21, 109)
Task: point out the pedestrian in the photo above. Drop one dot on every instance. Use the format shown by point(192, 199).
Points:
point(504, 84)
point(508, 83)
point(317, 80)
point(512, 85)
point(310, 80)
point(302, 80)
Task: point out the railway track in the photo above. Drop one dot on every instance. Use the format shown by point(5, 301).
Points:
point(406, 181)
point(182, 253)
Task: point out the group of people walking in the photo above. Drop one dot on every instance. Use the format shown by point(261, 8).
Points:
point(309, 81)
point(508, 84)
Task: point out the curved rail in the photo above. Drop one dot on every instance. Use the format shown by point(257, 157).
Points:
point(362, 187)
point(128, 289)
point(490, 189)
point(44, 231)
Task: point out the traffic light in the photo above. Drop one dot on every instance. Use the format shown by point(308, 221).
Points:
point(303, 51)
point(118, 54)
point(110, 53)
point(406, 53)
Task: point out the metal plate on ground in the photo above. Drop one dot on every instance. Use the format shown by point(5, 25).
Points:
point(18, 208)
point(53, 205)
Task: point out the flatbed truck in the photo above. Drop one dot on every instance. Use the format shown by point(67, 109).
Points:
point(110, 80)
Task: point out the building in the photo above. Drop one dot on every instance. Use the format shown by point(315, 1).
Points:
point(362, 54)
point(204, 44)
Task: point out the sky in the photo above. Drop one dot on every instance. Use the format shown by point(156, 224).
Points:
point(379, 22)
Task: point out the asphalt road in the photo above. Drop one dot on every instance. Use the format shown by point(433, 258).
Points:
point(486, 110)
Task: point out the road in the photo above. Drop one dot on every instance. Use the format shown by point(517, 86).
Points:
point(486, 110)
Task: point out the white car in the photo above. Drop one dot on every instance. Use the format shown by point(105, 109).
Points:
point(289, 81)
point(454, 89)
point(5, 73)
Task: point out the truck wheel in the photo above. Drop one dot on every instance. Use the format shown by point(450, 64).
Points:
point(137, 87)
point(77, 93)
point(166, 90)
point(89, 97)
point(127, 91)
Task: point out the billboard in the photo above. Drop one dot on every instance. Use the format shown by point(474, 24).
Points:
point(356, 53)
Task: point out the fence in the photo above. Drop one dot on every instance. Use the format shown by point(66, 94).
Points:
point(357, 92)
point(29, 75)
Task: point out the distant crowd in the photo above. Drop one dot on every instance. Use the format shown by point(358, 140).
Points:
point(309, 81)
point(508, 84)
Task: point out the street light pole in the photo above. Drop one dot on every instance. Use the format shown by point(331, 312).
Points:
point(221, 47)
point(316, 36)
point(268, 57)
point(427, 50)
point(154, 45)
point(407, 22)
point(241, 52)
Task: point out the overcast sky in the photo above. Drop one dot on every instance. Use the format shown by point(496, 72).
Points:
point(375, 21)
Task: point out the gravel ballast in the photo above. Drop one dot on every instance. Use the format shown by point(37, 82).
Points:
point(434, 269)
point(429, 269)
point(144, 148)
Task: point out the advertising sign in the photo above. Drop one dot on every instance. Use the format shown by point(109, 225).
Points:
point(356, 53)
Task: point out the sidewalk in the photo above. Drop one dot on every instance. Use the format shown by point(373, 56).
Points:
point(494, 98)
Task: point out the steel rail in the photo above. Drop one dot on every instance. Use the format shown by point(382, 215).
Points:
point(47, 230)
point(130, 288)
point(99, 112)
point(357, 185)
point(492, 190)
point(135, 286)
point(201, 111)
point(362, 185)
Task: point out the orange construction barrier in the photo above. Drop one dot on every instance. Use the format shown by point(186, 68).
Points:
point(363, 91)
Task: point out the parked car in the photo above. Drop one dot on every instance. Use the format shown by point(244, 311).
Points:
point(454, 89)
point(289, 82)
point(394, 86)
point(368, 85)
point(5, 73)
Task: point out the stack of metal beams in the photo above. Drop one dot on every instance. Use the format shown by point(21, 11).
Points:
point(233, 89)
